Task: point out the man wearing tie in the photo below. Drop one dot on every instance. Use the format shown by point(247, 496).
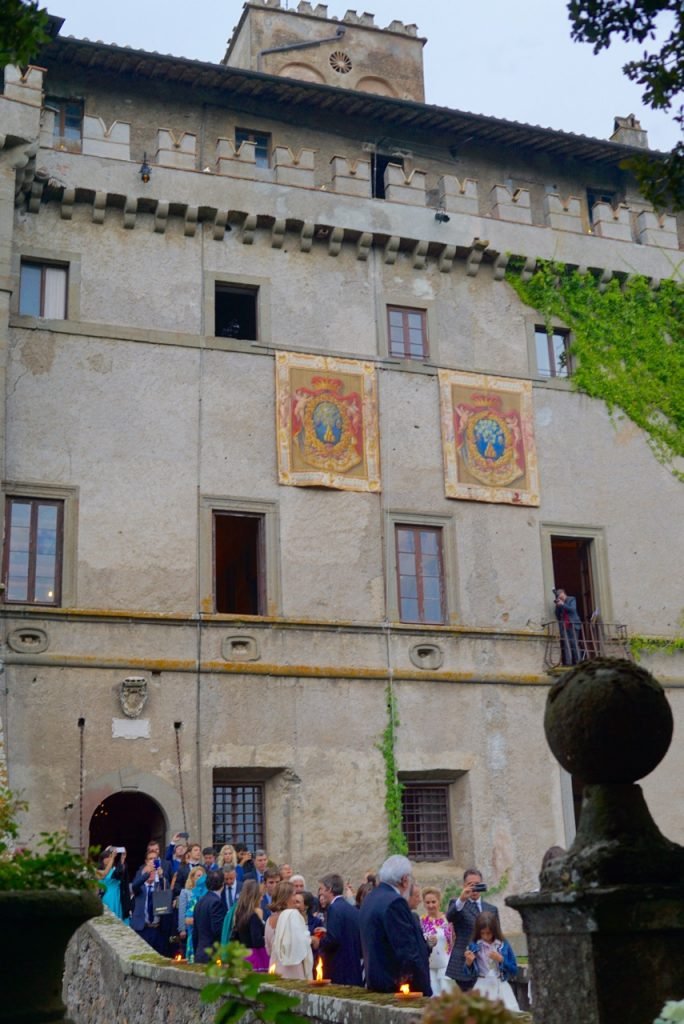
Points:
point(209, 914)
point(231, 886)
point(143, 920)
point(461, 913)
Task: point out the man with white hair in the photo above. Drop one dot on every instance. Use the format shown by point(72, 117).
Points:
point(298, 882)
point(394, 952)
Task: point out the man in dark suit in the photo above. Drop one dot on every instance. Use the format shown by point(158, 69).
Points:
point(569, 627)
point(209, 914)
point(340, 946)
point(148, 879)
point(231, 886)
point(391, 952)
point(461, 913)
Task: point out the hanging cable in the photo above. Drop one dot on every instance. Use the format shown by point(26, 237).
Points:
point(81, 783)
point(177, 727)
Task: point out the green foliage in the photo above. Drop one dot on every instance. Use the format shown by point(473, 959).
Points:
point(243, 990)
point(628, 345)
point(470, 1008)
point(659, 73)
point(396, 840)
point(54, 866)
point(671, 1011)
point(23, 30)
point(655, 644)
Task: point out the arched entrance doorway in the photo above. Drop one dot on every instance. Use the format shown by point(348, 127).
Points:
point(130, 819)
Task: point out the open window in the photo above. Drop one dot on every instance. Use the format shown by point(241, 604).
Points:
point(67, 131)
point(379, 162)
point(552, 351)
point(236, 311)
point(262, 144)
point(239, 570)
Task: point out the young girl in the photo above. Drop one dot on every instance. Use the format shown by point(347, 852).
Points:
point(490, 959)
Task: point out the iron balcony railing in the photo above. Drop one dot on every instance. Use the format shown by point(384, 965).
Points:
point(593, 639)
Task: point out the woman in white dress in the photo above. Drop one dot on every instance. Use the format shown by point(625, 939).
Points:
point(439, 936)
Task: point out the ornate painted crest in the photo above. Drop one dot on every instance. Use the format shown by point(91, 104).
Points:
point(488, 438)
point(327, 422)
point(133, 695)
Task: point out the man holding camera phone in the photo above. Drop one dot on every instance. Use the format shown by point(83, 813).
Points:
point(461, 914)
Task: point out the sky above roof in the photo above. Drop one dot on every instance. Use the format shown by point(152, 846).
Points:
point(502, 58)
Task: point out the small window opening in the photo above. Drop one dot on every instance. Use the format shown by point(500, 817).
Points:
point(239, 564)
point(262, 140)
point(379, 162)
point(595, 196)
point(235, 312)
point(553, 352)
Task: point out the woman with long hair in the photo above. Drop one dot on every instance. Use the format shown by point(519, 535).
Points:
point(248, 924)
point(195, 888)
point(113, 875)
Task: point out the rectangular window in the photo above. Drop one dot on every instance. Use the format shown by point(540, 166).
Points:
point(425, 820)
point(68, 126)
point(553, 352)
point(262, 148)
point(235, 311)
point(407, 332)
point(32, 563)
point(43, 290)
point(596, 196)
point(238, 814)
point(239, 577)
point(379, 162)
point(420, 574)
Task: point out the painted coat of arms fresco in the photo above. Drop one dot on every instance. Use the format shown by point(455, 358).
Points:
point(327, 422)
point(488, 438)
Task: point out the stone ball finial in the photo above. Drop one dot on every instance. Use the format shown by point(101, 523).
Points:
point(608, 721)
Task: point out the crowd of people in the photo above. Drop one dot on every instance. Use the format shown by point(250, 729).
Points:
point(372, 936)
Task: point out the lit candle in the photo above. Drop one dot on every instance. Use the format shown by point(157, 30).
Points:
point(319, 979)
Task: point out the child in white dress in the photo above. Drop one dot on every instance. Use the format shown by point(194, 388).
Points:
point(490, 959)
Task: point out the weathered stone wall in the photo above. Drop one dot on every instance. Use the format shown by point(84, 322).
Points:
point(112, 975)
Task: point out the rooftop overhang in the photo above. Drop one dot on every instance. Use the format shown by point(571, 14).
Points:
point(453, 128)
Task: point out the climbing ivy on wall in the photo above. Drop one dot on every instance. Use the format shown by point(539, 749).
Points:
point(396, 840)
point(627, 344)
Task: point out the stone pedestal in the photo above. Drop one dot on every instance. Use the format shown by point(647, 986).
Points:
point(605, 955)
point(605, 933)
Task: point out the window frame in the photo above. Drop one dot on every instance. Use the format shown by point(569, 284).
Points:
point(599, 564)
point(426, 788)
point(46, 494)
point(270, 573)
point(399, 517)
point(48, 257)
point(257, 837)
point(263, 144)
point(247, 291)
point(58, 106)
point(238, 282)
point(556, 332)
point(405, 312)
point(43, 266)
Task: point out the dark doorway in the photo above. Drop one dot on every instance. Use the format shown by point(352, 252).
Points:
point(238, 563)
point(379, 162)
point(572, 570)
point(128, 819)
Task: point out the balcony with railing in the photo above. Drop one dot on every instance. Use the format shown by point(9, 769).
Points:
point(593, 639)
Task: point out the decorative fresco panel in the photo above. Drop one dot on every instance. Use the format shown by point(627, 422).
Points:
point(488, 438)
point(327, 413)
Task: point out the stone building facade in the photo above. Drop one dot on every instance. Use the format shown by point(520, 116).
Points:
point(191, 637)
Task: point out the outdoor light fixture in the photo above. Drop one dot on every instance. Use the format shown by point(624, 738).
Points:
point(441, 216)
point(145, 170)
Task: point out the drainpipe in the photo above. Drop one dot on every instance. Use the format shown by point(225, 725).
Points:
point(300, 46)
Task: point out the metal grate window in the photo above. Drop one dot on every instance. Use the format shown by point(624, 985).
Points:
point(425, 818)
point(238, 814)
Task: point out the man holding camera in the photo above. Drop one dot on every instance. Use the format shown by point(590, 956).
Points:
point(569, 626)
point(461, 914)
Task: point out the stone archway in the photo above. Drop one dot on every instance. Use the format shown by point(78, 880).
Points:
point(128, 818)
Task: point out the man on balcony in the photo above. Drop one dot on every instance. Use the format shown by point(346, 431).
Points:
point(569, 627)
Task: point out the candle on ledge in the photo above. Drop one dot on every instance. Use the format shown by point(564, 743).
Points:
point(319, 979)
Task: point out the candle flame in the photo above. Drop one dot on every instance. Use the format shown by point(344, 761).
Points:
point(272, 969)
point(319, 970)
point(404, 989)
point(178, 956)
